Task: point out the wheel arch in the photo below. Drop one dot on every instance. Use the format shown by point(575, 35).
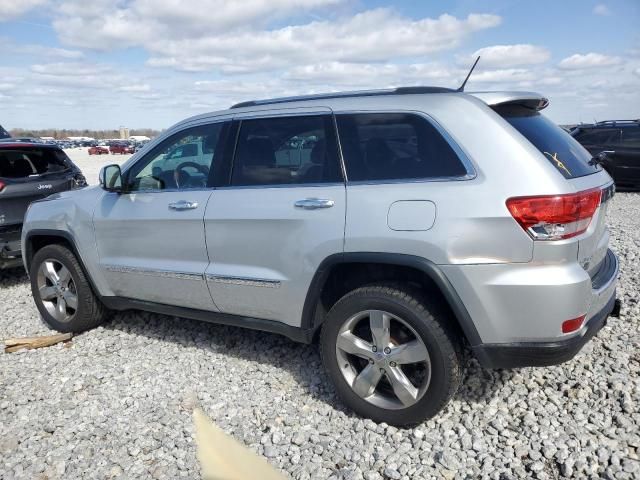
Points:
point(37, 239)
point(314, 310)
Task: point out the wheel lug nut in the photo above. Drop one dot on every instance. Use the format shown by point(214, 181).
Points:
point(374, 348)
point(371, 361)
point(387, 350)
point(392, 364)
point(382, 370)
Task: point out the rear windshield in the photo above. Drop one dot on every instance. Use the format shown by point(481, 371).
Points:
point(561, 149)
point(26, 162)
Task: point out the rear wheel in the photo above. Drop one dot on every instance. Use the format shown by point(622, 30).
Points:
point(391, 354)
point(62, 293)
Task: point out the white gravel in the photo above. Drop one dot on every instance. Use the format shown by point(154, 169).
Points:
point(117, 402)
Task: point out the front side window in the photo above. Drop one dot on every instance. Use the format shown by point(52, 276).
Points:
point(181, 162)
point(390, 146)
point(286, 150)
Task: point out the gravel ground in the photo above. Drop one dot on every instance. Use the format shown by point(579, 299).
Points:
point(116, 402)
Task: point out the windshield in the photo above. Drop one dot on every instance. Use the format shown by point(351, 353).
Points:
point(559, 148)
point(26, 162)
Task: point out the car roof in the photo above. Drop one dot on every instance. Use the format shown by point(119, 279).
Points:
point(609, 124)
point(384, 98)
point(9, 144)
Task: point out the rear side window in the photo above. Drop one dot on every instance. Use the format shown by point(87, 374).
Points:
point(598, 136)
point(391, 146)
point(26, 162)
point(631, 137)
point(559, 148)
point(286, 150)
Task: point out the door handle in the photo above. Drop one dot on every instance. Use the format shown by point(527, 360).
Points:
point(183, 205)
point(314, 203)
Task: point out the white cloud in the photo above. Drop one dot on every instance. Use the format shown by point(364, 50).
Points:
point(104, 24)
point(504, 56)
point(372, 36)
point(11, 9)
point(236, 40)
point(601, 9)
point(589, 60)
point(136, 88)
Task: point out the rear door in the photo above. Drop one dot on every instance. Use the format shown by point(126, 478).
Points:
point(627, 157)
point(281, 213)
point(30, 173)
point(151, 239)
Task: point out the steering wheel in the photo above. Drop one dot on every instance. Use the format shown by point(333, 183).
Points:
point(182, 178)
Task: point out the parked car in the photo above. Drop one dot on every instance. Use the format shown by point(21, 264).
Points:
point(98, 150)
point(29, 172)
point(120, 148)
point(620, 142)
point(376, 223)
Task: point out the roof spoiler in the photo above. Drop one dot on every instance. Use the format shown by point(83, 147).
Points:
point(531, 100)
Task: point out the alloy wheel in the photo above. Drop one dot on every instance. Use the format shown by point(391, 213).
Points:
point(383, 359)
point(57, 290)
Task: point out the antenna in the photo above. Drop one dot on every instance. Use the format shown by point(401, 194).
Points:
point(461, 88)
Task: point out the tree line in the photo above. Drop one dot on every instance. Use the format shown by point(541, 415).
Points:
point(64, 133)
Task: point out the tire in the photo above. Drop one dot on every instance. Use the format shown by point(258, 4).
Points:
point(88, 313)
point(411, 318)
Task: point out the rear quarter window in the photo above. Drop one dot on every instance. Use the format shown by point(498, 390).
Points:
point(561, 150)
point(395, 146)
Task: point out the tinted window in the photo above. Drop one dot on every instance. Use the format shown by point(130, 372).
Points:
point(597, 136)
point(32, 161)
point(286, 150)
point(559, 148)
point(631, 137)
point(182, 161)
point(388, 146)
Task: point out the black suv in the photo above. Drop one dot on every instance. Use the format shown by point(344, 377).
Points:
point(620, 139)
point(28, 172)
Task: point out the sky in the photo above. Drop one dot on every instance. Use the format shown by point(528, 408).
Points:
point(101, 64)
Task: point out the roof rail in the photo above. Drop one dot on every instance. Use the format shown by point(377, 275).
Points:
point(615, 122)
point(360, 93)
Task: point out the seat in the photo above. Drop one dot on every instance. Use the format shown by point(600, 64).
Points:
point(21, 167)
point(313, 171)
point(379, 159)
point(257, 164)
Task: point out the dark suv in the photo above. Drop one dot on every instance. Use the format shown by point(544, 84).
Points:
point(29, 172)
point(620, 139)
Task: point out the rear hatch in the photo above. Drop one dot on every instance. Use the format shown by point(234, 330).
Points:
point(569, 158)
point(29, 173)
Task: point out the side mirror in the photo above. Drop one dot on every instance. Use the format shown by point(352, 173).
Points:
point(110, 178)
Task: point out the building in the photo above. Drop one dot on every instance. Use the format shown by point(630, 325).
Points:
point(124, 133)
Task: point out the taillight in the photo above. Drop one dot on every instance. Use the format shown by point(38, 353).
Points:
point(1, 186)
point(555, 217)
point(572, 325)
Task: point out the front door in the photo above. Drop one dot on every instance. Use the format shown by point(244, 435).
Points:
point(281, 215)
point(151, 238)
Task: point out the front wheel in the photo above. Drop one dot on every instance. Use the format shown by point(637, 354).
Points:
point(392, 356)
point(62, 292)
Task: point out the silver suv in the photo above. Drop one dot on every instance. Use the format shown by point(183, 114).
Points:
point(397, 228)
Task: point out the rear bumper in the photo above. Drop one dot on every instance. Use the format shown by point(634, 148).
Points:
point(542, 354)
point(545, 353)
